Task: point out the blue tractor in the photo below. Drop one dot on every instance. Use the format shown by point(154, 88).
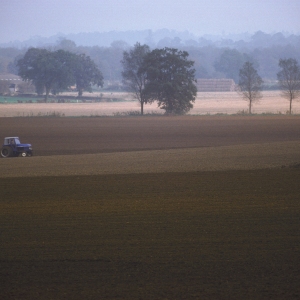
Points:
point(13, 147)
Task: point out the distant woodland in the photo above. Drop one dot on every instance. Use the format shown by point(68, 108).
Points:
point(214, 57)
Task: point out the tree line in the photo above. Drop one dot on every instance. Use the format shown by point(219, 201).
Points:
point(163, 75)
point(220, 59)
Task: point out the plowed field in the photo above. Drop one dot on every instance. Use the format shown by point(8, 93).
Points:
point(151, 208)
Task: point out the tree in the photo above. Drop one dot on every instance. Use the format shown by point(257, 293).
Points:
point(250, 84)
point(66, 44)
point(170, 79)
point(26, 88)
point(134, 78)
point(86, 74)
point(289, 79)
point(230, 62)
point(47, 70)
point(64, 70)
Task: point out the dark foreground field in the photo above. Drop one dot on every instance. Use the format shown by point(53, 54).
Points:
point(156, 235)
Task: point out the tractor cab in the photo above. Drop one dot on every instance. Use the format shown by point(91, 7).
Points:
point(11, 141)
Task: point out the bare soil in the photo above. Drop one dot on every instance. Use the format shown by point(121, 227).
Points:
point(195, 207)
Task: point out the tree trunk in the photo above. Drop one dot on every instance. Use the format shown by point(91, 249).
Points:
point(142, 107)
point(250, 102)
point(291, 99)
point(47, 94)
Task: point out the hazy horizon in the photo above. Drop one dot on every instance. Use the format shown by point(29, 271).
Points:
point(21, 20)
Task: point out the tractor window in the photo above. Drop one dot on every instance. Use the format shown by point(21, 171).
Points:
point(17, 141)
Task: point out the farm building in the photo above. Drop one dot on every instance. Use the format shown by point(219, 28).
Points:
point(9, 81)
point(15, 84)
point(215, 85)
point(11, 78)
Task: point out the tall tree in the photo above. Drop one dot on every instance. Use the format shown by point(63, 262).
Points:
point(170, 79)
point(64, 62)
point(289, 79)
point(86, 74)
point(134, 77)
point(46, 69)
point(250, 84)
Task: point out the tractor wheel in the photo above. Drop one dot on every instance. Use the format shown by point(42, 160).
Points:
point(23, 154)
point(29, 153)
point(6, 151)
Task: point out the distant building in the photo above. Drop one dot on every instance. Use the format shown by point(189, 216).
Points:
point(11, 78)
point(11, 81)
point(16, 84)
point(215, 85)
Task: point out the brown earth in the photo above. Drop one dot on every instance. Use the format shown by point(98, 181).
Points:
point(68, 136)
point(151, 208)
point(66, 146)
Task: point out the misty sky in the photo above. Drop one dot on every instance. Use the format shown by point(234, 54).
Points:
point(22, 19)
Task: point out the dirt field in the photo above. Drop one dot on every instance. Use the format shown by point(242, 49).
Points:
point(195, 207)
point(206, 103)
